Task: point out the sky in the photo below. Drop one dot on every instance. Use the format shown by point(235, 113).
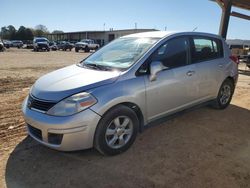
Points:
point(81, 15)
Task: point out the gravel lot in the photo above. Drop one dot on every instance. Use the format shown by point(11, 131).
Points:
point(201, 148)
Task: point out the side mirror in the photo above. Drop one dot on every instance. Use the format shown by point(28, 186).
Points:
point(155, 68)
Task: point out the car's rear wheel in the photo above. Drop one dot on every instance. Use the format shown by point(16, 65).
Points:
point(116, 131)
point(225, 95)
point(76, 50)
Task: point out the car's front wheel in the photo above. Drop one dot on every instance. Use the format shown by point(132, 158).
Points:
point(116, 131)
point(225, 95)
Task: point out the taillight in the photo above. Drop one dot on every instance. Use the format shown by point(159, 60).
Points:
point(234, 59)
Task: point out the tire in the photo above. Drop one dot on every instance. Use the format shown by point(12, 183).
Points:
point(96, 48)
point(76, 50)
point(119, 121)
point(86, 49)
point(225, 95)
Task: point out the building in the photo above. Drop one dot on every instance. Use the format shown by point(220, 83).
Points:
point(239, 47)
point(101, 37)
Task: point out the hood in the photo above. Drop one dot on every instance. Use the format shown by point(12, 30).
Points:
point(70, 80)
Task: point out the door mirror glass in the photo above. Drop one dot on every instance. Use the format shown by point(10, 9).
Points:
point(155, 68)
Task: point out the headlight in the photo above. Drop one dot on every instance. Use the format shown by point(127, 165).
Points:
point(73, 104)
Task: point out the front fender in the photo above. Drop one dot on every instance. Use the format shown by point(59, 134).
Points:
point(131, 90)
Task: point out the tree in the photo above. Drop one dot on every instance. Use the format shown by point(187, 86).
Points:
point(24, 33)
point(43, 28)
point(4, 33)
point(40, 31)
point(12, 32)
point(57, 31)
point(29, 34)
point(21, 34)
point(8, 32)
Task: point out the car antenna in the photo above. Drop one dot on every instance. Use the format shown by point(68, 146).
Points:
point(195, 29)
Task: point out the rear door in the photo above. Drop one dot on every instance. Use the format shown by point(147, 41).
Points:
point(207, 55)
point(175, 87)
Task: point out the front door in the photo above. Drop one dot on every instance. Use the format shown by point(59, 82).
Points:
point(175, 87)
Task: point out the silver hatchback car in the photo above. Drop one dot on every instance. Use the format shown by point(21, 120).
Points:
point(107, 98)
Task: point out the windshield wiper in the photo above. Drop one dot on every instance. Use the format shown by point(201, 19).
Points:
point(92, 65)
point(96, 66)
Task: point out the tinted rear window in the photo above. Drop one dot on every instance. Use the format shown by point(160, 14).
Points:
point(206, 49)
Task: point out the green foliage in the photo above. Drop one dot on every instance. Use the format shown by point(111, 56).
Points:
point(23, 33)
point(57, 31)
point(8, 32)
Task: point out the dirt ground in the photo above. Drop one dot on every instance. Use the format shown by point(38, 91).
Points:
point(201, 148)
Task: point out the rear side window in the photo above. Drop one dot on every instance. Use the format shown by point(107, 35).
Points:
point(174, 53)
point(206, 49)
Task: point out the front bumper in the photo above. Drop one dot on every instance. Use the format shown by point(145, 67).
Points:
point(68, 133)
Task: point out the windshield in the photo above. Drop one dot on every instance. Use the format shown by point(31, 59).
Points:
point(121, 53)
point(86, 41)
point(41, 40)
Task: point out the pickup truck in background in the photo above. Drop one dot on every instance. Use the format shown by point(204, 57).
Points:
point(86, 45)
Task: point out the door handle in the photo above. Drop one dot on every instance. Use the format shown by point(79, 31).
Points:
point(190, 73)
point(220, 65)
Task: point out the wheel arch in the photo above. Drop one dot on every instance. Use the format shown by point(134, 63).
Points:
point(135, 108)
point(231, 79)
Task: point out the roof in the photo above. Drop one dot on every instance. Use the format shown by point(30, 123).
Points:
point(162, 34)
point(153, 34)
point(238, 42)
point(245, 4)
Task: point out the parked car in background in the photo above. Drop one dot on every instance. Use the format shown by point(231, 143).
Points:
point(248, 60)
point(7, 43)
point(1, 46)
point(17, 43)
point(64, 45)
point(86, 45)
point(29, 44)
point(104, 100)
point(41, 43)
point(53, 46)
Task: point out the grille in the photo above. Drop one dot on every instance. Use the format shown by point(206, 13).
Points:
point(35, 132)
point(39, 105)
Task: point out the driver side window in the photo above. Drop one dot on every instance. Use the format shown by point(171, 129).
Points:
point(174, 53)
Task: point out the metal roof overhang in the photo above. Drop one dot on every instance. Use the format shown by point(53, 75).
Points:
point(245, 4)
point(226, 6)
